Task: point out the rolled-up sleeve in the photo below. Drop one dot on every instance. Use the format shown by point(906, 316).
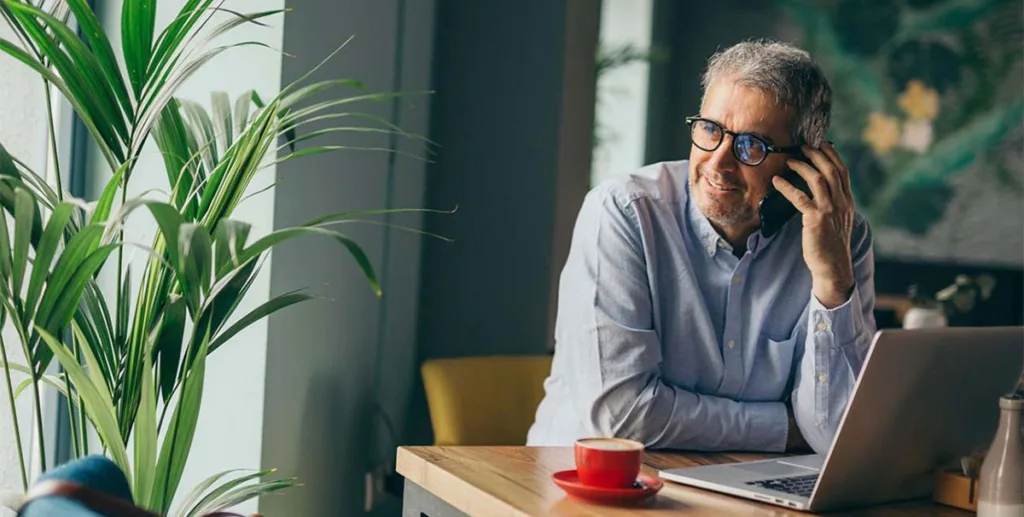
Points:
point(614, 354)
point(834, 350)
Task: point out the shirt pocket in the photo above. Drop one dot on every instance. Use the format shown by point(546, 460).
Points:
point(771, 369)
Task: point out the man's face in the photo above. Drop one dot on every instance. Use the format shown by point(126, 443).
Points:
point(726, 190)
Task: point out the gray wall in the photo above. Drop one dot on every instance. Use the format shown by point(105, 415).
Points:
point(23, 134)
point(512, 118)
point(513, 115)
point(319, 418)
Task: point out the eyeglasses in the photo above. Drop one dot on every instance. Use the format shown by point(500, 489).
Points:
point(748, 148)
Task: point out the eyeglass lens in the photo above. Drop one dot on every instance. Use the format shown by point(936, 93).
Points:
point(708, 135)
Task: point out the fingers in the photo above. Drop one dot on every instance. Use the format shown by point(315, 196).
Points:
point(815, 181)
point(844, 172)
point(827, 167)
point(793, 194)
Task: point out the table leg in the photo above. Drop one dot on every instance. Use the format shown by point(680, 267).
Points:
point(418, 502)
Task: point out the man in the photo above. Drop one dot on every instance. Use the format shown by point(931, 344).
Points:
point(679, 324)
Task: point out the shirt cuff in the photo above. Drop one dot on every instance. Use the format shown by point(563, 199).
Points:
point(768, 427)
point(839, 321)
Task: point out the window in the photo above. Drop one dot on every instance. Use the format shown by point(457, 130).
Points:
point(623, 72)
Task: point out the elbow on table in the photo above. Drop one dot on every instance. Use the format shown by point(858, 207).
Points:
point(616, 416)
point(817, 436)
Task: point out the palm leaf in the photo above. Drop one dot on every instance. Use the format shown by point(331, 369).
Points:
point(269, 307)
point(24, 219)
point(92, 29)
point(229, 241)
point(138, 21)
point(178, 440)
point(69, 298)
point(163, 94)
point(178, 147)
point(98, 406)
point(195, 264)
point(168, 345)
point(6, 265)
point(77, 66)
point(74, 255)
point(170, 40)
point(244, 493)
point(102, 133)
point(106, 200)
point(52, 237)
point(145, 438)
point(222, 116)
point(226, 295)
point(224, 495)
point(55, 381)
point(203, 133)
point(310, 90)
point(238, 20)
point(190, 500)
point(279, 236)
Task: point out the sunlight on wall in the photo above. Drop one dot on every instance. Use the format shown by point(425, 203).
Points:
point(621, 111)
point(23, 134)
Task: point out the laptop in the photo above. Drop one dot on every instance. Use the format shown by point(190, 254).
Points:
point(924, 398)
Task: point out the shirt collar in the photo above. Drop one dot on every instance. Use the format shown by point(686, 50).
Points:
point(710, 239)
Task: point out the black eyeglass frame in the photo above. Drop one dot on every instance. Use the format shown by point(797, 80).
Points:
point(769, 148)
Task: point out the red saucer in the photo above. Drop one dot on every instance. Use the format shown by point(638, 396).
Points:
point(569, 480)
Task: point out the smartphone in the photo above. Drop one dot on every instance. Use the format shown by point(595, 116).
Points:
point(775, 210)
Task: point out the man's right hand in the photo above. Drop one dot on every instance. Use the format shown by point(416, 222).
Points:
point(794, 440)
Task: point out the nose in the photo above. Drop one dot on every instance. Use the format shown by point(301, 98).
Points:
point(722, 159)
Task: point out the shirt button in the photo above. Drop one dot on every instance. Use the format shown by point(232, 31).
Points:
point(721, 243)
point(711, 251)
point(731, 343)
point(822, 377)
point(822, 326)
point(736, 280)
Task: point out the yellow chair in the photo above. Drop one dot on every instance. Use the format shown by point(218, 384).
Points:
point(484, 400)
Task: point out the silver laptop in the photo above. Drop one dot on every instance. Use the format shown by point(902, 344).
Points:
point(923, 399)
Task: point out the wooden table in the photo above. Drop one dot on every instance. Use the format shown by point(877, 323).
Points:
point(516, 481)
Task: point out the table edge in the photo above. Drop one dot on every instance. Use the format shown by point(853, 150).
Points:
point(417, 469)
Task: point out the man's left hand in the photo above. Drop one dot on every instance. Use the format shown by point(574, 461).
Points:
point(827, 221)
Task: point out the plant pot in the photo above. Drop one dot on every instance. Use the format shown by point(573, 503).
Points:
point(924, 317)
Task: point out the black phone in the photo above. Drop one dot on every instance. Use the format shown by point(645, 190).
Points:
point(775, 210)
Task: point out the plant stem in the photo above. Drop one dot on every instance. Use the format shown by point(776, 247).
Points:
point(84, 432)
point(53, 139)
point(35, 393)
point(14, 415)
point(120, 274)
point(39, 424)
point(72, 418)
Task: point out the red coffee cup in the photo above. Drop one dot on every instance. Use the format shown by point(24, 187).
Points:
point(608, 462)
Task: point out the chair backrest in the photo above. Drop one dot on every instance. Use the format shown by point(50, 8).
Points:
point(484, 400)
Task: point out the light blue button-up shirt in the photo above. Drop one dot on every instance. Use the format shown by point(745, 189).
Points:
point(666, 337)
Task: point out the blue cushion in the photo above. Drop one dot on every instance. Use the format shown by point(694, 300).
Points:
point(96, 472)
point(53, 506)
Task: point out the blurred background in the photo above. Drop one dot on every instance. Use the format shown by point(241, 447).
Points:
point(530, 104)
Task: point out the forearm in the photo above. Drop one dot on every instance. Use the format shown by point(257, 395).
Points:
point(664, 416)
point(837, 341)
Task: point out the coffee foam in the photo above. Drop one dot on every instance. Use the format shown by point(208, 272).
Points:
point(610, 444)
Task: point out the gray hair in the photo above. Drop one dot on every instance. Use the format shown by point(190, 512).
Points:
point(786, 71)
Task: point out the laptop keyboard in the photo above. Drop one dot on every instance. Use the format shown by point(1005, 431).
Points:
point(797, 485)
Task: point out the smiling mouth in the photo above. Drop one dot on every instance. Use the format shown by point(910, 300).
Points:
point(719, 187)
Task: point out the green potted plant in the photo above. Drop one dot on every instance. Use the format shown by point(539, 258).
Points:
point(134, 364)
